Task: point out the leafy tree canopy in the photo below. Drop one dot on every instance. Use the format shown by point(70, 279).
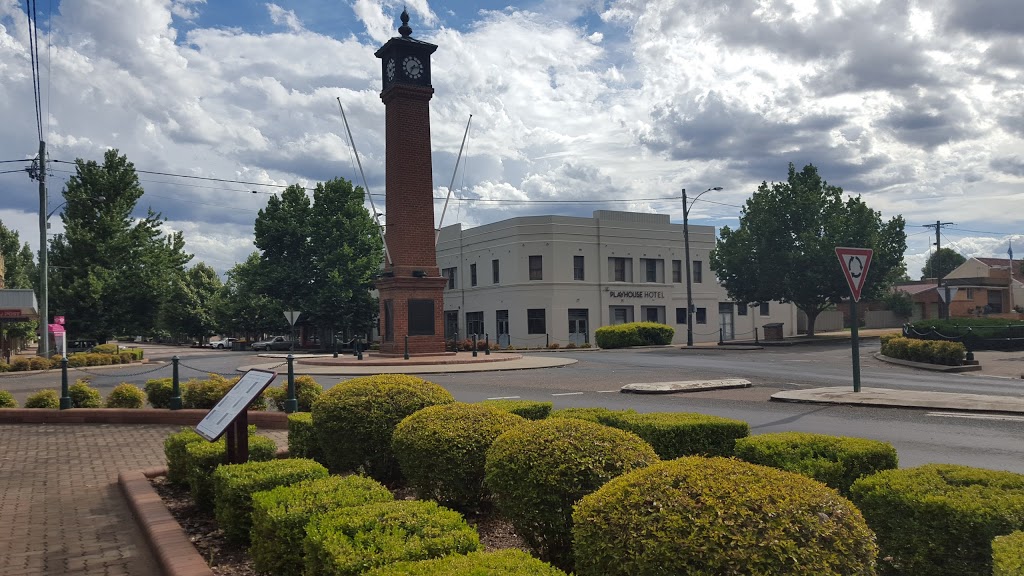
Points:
point(19, 272)
point(941, 262)
point(784, 247)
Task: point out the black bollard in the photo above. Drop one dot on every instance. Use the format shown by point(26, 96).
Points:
point(474, 345)
point(291, 404)
point(406, 356)
point(487, 344)
point(721, 335)
point(335, 338)
point(175, 403)
point(359, 350)
point(756, 341)
point(65, 396)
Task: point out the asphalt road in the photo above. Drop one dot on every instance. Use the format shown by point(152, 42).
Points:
point(920, 436)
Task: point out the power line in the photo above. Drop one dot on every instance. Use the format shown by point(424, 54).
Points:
point(13, 171)
point(9, 161)
point(980, 232)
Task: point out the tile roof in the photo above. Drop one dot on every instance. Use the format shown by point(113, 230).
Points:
point(1018, 265)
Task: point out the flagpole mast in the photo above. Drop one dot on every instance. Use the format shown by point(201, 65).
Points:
point(1009, 252)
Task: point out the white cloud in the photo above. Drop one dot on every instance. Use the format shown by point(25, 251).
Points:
point(286, 18)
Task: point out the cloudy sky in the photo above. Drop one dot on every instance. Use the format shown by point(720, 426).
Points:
point(916, 105)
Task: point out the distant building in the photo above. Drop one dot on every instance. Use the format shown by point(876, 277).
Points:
point(983, 287)
point(535, 280)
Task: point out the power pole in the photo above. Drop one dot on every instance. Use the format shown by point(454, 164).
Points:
point(944, 306)
point(44, 312)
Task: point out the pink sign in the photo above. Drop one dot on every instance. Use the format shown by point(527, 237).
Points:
point(56, 329)
point(58, 320)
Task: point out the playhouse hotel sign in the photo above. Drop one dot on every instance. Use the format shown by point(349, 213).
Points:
point(636, 294)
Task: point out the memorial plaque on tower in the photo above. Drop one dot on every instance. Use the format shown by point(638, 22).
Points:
point(411, 287)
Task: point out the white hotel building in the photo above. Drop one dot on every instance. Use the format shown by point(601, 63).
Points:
point(535, 280)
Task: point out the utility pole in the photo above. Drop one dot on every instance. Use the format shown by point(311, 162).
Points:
point(44, 312)
point(944, 306)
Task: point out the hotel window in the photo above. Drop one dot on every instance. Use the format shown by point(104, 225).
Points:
point(450, 274)
point(577, 267)
point(677, 271)
point(654, 270)
point(474, 323)
point(680, 315)
point(536, 321)
point(620, 269)
point(698, 271)
point(653, 314)
point(620, 314)
point(741, 309)
point(702, 316)
point(536, 268)
point(494, 271)
point(764, 309)
point(472, 274)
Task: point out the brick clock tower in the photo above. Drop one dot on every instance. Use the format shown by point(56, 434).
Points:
point(411, 289)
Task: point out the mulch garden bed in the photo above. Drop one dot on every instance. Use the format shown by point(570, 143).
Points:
point(227, 559)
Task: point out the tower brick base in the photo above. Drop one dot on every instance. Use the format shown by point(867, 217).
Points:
point(395, 294)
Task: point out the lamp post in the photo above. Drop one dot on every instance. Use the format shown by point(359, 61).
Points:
point(686, 247)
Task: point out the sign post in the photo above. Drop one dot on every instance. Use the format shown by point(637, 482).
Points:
point(292, 316)
point(855, 263)
point(229, 415)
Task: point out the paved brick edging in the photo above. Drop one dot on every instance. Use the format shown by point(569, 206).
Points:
point(272, 420)
point(173, 550)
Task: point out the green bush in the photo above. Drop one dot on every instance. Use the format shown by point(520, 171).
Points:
point(203, 394)
point(4, 366)
point(675, 434)
point(940, 519)
point(235, 484)
point(634, 334)
point(352, 540)
point(833, 460)
point(126, 395)
point(105, 349)
point(202, 458)
point(441, 451)
point(507, 562)
point(84, 396)
point(1008, 555)
point(710, 516)
point(159, 391)
point(929, 351)
point(528, 409)
point(174, 450)
point(599, 415)
point(307, 390)
point(39, 363)
point(43, 399)
point(280, 516)
point(20, 365)
point(537, 471)
point(7, 400)
point(302, 442)
point(355, 419)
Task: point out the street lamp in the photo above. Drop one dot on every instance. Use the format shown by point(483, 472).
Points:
point(686, 244)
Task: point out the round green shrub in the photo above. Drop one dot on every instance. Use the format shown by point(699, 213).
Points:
point(354, 421)
point(441, 451)
point(307, 390)
point(7, 400)
point(20, 365)
point(84, 396)
point(1008, 555)
point(711, 516)
point(508, 562)
point(302, 441)
point(43, 399)
point(159, 391)
point(39, 363)
point(126, 395)
point(203, 394)
point(836, 461)
point(528, 409)
point(4, 366)
point(537, 471)
point(940, 519)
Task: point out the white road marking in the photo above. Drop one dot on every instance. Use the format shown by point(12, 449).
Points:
point(1004, 417)
point(607, 391)
point(568, 394)
point(505, 398)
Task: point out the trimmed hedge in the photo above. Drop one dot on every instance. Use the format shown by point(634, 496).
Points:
point(537, 471)
point(307, 390)
point(203, 458)
point(204, 394)
point(599, 415)
point(351, 541)
point(235, 484)
point(507, 562)
point(159, 392)
point(302, 441)
point(940, 519)
point(441, 451)
point(528, 409)
point(84, 396)
point(836, 461)
point(355, 419)
point(126, 395)
point(929, 351)
point(174, 450)
point(280, 516)
point(7, 400)
point(1008, 555)
point(675, 434)
point(714, 516)
point(43, 399)
point(634, 334)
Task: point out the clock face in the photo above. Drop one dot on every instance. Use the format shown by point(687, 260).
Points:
point(391, 69)
point(413, 67)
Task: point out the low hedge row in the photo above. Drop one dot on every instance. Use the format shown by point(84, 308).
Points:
point(835, 461)
point(235, 484)
point(350, 541)
point(302, 442)
point(202, 458)
point(929, 351)
point(77, 360)
point(82, 395)
point(528, 409)
point(1008, 554)
point(634, 334)
point(280, 516)
point(506, 562)
point(195, 393)
point(940, 519)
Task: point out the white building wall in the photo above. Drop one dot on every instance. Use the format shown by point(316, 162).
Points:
point(557, 239)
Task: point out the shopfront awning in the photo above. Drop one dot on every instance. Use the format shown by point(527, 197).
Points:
point(18, 305)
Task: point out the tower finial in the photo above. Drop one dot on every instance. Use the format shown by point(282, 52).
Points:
point(404, 29)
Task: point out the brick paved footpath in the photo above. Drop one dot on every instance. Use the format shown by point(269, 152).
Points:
point(61, 511)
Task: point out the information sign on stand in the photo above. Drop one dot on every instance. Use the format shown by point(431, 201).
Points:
point(229, 415)
point(855, 263)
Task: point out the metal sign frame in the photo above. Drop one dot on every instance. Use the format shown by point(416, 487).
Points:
point(855, 263)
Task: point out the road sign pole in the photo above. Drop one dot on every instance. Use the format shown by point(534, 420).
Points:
point(855, 344)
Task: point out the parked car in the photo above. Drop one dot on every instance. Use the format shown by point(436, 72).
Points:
point(224, 343)
point(273, 343)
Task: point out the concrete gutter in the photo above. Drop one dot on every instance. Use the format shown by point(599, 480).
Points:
point(904, 399)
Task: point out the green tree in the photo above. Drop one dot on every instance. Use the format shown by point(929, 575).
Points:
point(19, 271)
point(282, 235)
point(241, 308)
point(110, 270)
point(900, 303)
point(941, 262)
point(784, 247)
point(188, 309)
